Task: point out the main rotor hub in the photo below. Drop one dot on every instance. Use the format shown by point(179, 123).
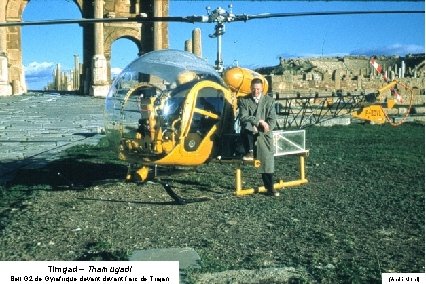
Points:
point(220, 15)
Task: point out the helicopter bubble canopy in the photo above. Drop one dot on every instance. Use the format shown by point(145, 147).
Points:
point(167, 64)
point(151, 77)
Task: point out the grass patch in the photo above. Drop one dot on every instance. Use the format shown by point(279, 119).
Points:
point(361, 214)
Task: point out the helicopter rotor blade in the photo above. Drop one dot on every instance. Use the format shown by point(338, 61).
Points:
point(138, 19)
point(331, 13)
point(194, 19)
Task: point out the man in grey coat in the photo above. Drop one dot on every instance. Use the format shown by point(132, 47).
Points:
point(258, 117)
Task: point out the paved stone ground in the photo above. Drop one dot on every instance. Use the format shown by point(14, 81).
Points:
point(34, 128)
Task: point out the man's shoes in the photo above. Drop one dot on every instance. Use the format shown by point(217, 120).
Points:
point(273, 193)
point(248, 157)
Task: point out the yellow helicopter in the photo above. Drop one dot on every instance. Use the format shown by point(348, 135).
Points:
point(171, 108)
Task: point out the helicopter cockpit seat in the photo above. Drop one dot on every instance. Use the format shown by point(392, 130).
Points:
point(145, 95)
point(186, 77)
point(208, 109)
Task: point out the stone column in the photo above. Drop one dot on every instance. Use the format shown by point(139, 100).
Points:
point(58, 77)
point(337, 79)
point(100, 84)
point(136, 7)
point(158, 35)
point(359, 83)
point(5, 87)
point(188, 45)
point(76, 77)
point(196, 42)
point(403, 69)
point(392, 75)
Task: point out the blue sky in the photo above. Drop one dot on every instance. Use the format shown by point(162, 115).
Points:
point(252, 44)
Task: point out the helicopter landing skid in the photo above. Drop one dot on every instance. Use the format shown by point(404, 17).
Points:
point(287, 143)
point(240, 191)
point(145, 173)
point(179, 200)
point(142, 174)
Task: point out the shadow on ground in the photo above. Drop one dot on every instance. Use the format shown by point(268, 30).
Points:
point(73, 173)
point(80, 167)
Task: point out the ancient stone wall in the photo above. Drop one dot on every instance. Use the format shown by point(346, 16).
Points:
point(350, 75)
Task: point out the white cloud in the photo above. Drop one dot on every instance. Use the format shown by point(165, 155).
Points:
point(394, 49)
point(115, 71)
point(37, 68)
point(39, 74)
point(310, 55)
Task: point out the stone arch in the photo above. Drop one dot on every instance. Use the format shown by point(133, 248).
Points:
point(14, 12)
point(114, 34)
point(153, 38)
point(15, 8)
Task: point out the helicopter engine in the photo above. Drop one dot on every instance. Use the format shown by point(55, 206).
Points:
point(239, 80)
